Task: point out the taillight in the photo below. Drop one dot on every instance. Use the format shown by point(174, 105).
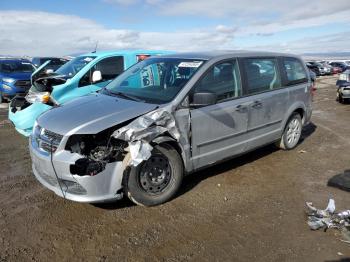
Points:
point(313, 89)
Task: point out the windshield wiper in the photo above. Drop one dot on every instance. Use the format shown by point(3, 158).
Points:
point(134, 98)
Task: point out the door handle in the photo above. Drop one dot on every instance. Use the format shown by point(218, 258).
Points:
point(241, 108)
point(257, 104)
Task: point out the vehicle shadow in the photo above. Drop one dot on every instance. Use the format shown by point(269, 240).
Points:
point(308, 130)
point(346, 259)
point(192, 180)
point(120, 204)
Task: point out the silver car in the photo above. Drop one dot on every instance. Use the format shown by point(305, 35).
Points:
point(166, 117)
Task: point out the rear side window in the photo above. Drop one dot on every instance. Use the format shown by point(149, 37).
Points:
point(110, 67)
point(295, 71)
point(222, 79)
point(262, 75)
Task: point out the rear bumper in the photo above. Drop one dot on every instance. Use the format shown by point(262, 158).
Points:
point(23, 119)
point(56, 176)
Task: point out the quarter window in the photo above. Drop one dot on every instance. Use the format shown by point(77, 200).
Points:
point(223, 80)
point(262, 75)
point(295, 71)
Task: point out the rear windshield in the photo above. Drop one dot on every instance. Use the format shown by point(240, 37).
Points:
point(73, 67)
point(54, 61)
point(16, 67)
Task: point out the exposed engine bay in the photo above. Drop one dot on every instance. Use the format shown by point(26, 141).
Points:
point(98, 150)
point(45, 84)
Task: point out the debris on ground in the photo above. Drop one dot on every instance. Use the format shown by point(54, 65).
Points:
point(301, 151)
point(328, 218)
point(341, 181)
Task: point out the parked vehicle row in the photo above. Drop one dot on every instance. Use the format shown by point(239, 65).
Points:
point(327, 67)
point(343, 87)
point(82, 75)
point(163, 118)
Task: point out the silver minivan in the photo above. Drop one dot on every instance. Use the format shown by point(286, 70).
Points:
point(166, 117)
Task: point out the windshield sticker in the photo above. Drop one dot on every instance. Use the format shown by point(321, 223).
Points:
point(190, 64)
point(147, 77)
point(88, 59)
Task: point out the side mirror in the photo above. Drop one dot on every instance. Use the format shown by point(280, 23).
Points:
point(96, 76)
point(203, 99)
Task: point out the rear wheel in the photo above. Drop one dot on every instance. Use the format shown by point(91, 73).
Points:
point(156, 180)
point(292, 133)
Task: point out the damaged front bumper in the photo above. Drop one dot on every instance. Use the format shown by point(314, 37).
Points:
point(23, 118)
point(55, 175)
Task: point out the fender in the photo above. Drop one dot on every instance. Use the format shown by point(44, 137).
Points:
point(294, 107)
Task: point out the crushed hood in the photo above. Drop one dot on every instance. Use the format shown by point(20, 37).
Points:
point(91, 114)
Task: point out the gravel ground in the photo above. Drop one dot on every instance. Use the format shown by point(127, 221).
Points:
point(247, 209)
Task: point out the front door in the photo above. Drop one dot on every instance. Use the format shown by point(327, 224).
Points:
point(219, 131)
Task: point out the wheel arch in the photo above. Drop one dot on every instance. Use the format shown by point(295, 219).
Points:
point(295, 108)
point(172, 142)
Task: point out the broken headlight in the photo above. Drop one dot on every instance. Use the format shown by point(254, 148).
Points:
point(41, 97)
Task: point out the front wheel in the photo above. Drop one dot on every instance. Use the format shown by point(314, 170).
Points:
point(156, 180)
point(292, 133)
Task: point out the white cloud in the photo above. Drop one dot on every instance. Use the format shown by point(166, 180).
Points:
point(41, 33)
point(322, 44)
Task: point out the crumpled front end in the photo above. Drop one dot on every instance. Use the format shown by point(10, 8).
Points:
point(23, 115)
point(90, 167)
point(56, 168)
point(140, 132)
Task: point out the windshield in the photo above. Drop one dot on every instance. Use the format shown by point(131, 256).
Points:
point(155, 80)
point(71, 68)
point(16, 67)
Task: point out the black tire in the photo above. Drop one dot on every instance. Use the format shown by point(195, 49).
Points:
point(138, 183)
point(287, 142)
point(340, 98)
point(1, 98)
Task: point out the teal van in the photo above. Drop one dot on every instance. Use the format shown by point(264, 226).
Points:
point(82, 75)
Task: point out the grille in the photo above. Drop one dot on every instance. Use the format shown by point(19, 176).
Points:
point(347, 88)
point(23, 83)
point(51, 136)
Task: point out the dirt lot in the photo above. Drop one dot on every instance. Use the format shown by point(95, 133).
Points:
point(248, 209)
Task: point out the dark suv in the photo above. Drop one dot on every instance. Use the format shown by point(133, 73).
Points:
point(54, 64)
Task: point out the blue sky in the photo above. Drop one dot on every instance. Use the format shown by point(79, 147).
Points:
point(64, 27)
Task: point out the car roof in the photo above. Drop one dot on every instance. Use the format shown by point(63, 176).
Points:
point(126, 52)
point(207, 55)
